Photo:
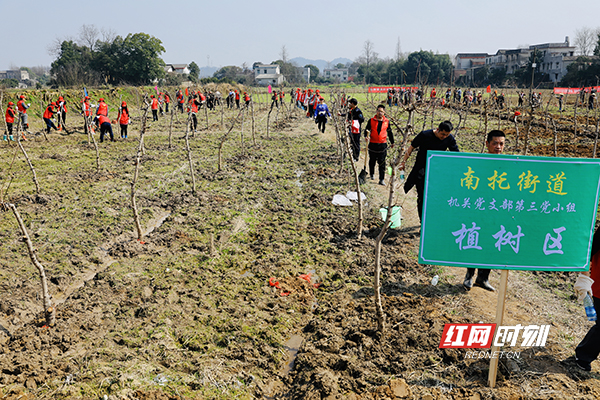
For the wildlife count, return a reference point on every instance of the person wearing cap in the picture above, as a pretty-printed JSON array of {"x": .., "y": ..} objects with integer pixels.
[
  {"x": 194, "y": 106},
  {"x": 62, "y": 113},
  {"x": 22, "y": 109},
  {"x": 105, "y": 126},
  {"x": 10, "y": 119},
  {"x": 355, "y": 119},
  {"x": 321, "y": 114},
  {"x": 123, "y": 119},
  {"x": 154, "y": 107},
  {"x": 102, "y": 108},
  {"x": 167, "y": 101},
  {"x": 48, "y": 114},
  {"x": 86, "y": 110},
  {"x": 180, "y": 100},
  {"x": 379, "y": 131}
]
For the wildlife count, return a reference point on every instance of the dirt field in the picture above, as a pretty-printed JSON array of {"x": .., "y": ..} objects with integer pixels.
[{"x": 189, "y": 312}]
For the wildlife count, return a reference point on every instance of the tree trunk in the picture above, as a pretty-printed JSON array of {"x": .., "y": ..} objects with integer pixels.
[{"x": 49, "y": 311}]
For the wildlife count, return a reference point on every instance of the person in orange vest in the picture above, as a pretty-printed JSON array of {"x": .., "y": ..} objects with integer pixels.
[
  {"x": 123, "y": 119},
  {"x": 274, "y": 99},
  {"x": 281, "y": 96},
  {"x": 237, "y": 98},
  {"x": 246, "y": 99},
  {"x": 86, "y": 110},
  {"x": 167, "y": 101},
  {"x": 160, "y": 103},
  {"x": 102, "y": 108},
  {"x": 103, "y": 123},
  {"x": 10, "y": 120},
  {"x": 48, "y": 114},
  {"x": 433, "y": 94},
  {"x": 22, "y": 109},
  {"x": 180, "y": 100},
  {"x": 193, "y": 110},
  {"x": 154, "y": 107},
  {"x": 62, "y": 113},
  {"x": 380, "y": 132}
]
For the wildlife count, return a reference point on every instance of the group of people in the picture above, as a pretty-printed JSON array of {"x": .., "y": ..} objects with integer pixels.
[{"x": 20, "y": 114}]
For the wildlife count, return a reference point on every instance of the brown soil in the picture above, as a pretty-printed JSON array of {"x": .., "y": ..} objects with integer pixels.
[{"x": 188, "y": 312}]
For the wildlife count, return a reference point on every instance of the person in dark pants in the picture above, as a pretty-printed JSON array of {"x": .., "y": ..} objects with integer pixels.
[
  {"x": 379, "y": 130},
  {"x": 154, "y": 107},
  {"x": 355, "y": 119},
  {"x": 588, "y": 282},
  {"x": 105, "y": 127},
  {"x": 432, "y": 139},
  {"x": 495, "y": 145},
  {"x": 123, "y": 119},
  {"x": 321, "y": 114},
  {"x": 48, "y": 114}
]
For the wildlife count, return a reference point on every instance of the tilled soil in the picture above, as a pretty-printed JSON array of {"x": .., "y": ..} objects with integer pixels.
[{"x": 204, "y": 305}]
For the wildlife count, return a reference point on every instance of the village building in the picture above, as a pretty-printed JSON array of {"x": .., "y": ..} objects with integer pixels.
[
  {"x": 177, "y": 68},
  {"x": 268, "y": 74},
  {"x": 337, "y": 74},
  {"x": 555, "y": 58}
]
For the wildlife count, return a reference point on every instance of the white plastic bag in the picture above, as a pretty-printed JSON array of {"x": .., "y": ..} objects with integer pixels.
[{"x": 341, "y": 200}]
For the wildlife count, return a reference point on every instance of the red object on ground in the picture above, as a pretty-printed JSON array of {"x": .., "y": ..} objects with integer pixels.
[
  {"x": 273, "y": 282},
  {"x": 285, "y": 293},
  {"x": 517, "y": 113},
  {"x": 306, "y": 277}
]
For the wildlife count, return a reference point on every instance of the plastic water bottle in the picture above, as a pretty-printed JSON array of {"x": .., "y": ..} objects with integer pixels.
[
  {"x": 435, "y": 280},
  {"x": 401, "y": 175},
  {"x": 590, "y": 311}
]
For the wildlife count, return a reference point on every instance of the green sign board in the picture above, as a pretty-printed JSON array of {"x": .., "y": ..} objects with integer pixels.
[{"x": 509, "y": 212}]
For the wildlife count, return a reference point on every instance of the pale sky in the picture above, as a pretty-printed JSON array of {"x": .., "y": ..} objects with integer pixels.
[{"x": 237, "y": 31}]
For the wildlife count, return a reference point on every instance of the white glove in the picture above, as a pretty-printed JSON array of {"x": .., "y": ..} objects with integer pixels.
[{"x": 583, "y": 286}]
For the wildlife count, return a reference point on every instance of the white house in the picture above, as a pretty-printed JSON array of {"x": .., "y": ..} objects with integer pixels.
[
  {"x": 268, "y": 74},
  {"x": 337, "y": 74},
  {"x": 177, "y": 68},
  {"x": 556, "y": 57}
]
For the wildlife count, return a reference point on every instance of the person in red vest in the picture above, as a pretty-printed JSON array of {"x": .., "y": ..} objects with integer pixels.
[
  {"x": 10, "y": 120},
  {"x": 246, "y": 99},
  {"x": 123, "y": 119},
  {"x": 22, "y": 109},
  {"x": 379, "y": 131},
  {"x": 433, "y": 94},
  {"x": 102, "y": 108},
  {"x": 167, "y": 101},
  {"x": 193, "y": 109},
  {"x": 180, "y": 100},
  {"x": 103, "y": 123},
  {"x": 86, "y": 110},
  {"x": 48, "y": 114},
  {"x": 62, "y": 113},
  {"x": 237, "y": 98},
  {"x": 154, "y": 107}
]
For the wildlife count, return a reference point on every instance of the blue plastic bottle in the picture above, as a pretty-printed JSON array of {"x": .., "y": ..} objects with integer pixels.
[{"x": 590, "y": 311}]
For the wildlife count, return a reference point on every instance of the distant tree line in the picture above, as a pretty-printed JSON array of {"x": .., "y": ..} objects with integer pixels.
[{"x": 134, "y": 59}]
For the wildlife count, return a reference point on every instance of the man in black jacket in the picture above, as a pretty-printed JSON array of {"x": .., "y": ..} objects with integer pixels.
[
  {"x": 432, "y": 139},
  {"x": 355, "y": 119}
]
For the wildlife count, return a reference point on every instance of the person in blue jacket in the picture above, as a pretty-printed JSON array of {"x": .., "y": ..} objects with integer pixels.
[{"x": 321, "y": 114}]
